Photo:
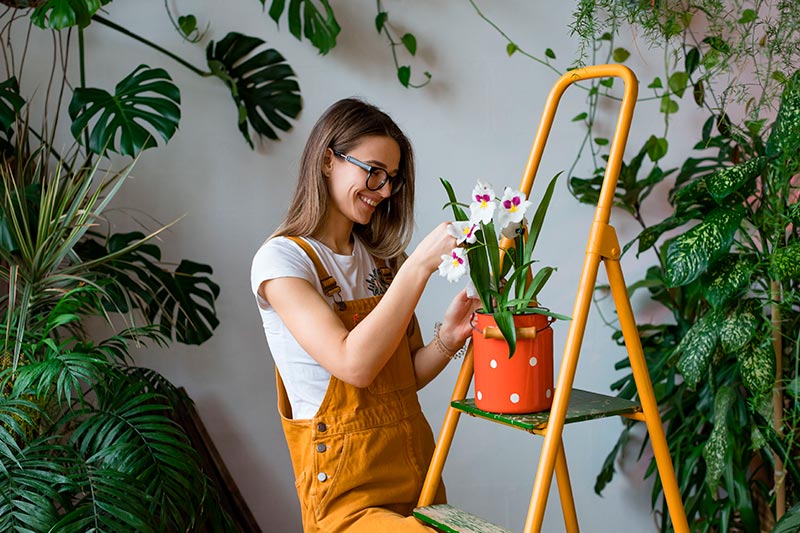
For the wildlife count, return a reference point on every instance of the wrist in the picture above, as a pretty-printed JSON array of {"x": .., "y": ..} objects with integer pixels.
[{"x": 452, "y": 349}]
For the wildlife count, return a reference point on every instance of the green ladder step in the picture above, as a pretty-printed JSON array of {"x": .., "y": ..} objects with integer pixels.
[
  {"x": 453, "y": 520},
  {"x": 583, "y": 405}
]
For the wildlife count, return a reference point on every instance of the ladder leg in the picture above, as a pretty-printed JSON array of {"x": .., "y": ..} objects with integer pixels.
[
  {"x": 565, "y": 491},
  {"x": 434, "y": 475},
  {"x": 647, "y": 397}
]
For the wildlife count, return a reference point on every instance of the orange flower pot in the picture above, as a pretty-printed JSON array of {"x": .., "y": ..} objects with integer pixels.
[{"x": 522, "y": 383}]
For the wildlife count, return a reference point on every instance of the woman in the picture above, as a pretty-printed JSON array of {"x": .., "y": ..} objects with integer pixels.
[{"x": 337, "y": 301}]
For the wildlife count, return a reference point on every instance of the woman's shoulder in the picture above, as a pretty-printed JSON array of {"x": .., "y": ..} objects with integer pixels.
[{"x": 280, "y": 257}]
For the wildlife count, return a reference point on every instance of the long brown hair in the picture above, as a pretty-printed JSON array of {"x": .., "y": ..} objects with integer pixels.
[{"x": 341, "y": 128}]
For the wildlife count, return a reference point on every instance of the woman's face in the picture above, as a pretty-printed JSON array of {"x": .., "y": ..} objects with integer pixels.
[{"x": 349, "y": 195}]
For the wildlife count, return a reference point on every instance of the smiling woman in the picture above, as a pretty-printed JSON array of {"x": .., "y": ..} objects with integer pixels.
[{"x": 347, "y": 386}]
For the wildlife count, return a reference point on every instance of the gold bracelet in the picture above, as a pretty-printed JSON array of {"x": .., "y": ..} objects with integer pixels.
[{"x": 443, "y": 348}]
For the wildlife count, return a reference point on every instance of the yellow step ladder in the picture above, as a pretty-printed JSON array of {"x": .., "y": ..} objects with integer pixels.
[{"x": 569, "y": 405}]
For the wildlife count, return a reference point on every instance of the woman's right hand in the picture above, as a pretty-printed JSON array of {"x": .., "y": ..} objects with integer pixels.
[{"x": 428, "y": 253}]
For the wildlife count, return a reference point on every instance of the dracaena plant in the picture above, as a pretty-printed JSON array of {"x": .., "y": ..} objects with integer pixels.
[{"x": 496, "y": 250}]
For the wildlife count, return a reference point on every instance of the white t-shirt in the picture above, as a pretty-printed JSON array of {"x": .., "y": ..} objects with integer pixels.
[{"x": 357, "y": 275}]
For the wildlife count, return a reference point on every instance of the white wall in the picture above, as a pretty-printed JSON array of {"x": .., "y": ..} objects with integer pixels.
[{"x": 475, "y": 120}]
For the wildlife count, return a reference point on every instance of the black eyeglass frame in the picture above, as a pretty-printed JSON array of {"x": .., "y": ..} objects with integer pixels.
[{"x": 396, "y": 181}]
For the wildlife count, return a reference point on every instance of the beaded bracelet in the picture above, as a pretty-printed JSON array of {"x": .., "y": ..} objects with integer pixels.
[{"x": 442, "y": 347}]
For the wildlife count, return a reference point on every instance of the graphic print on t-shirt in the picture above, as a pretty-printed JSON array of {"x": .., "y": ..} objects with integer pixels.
[{"x": 376, "y": 284}]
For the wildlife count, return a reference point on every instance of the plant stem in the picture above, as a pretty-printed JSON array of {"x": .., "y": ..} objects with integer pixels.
[
  {"x": 777, "y": 397},
  {"x": 151, "y": 44}
]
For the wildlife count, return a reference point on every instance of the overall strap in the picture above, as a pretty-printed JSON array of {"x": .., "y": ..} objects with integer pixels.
[{"x": 329, "y": 285}]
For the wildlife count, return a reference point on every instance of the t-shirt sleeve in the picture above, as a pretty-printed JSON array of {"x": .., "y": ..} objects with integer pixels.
[{"x": 280, "y": 258}]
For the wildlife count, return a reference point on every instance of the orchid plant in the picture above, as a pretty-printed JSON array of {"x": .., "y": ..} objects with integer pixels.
[{"x": 500, "y": 270}]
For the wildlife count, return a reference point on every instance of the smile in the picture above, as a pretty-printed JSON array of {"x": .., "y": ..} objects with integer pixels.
[{"x": 371, "y": 203}]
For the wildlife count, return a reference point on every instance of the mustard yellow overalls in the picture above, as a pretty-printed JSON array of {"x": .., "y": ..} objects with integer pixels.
[{"x": 360, "y": 462}]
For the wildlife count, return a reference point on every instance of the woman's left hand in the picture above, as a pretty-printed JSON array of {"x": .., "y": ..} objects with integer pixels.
[{"x": 456, "y": 327}]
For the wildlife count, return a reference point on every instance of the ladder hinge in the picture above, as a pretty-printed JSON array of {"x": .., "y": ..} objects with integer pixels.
[{"x": 603, "y": 241}]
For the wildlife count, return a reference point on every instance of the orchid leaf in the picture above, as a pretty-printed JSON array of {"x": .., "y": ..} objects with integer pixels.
[
  {"x": 262, "y": 84},
  {"x": 538, "y": 218},
  {"x": 505, "y": 322},
  {"x": 145, "y": 95},
  {"x": 458, "y": 213}
]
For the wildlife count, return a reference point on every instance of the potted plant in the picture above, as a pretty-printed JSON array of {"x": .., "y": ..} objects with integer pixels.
[{"x": 512, "y": 338}]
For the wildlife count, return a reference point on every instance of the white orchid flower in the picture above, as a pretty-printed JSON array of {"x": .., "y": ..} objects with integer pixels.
[
  {"x": 454, "y": 266},
  {"x": 483, "y": 205},
  {"x": 511, "y": 230},
  {"x": 463, "y": 232},
  {"x": 512, "y": 207}
]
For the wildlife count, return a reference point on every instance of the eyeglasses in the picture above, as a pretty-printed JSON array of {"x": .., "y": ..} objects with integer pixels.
[{"x": 377, "y": 177}]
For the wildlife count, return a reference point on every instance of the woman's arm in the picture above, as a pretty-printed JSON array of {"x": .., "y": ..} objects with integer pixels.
[
  {"x": 356, "y": 357},
  {"x": 429, "y": 360}
]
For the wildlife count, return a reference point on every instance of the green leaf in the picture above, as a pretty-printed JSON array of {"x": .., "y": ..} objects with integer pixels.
[
  {"x": 607, "y": 82},
  {"x": 699, "y": 93},
  {"x": 146, "y": 95},
  {"x": 580, "y": 116},
  {"x": 785, "y": 262},
  {"x": 729, "y": 180},
  {"x": 790, "y": 522},
  {"x": 187, "y": 24},
  {"x": 505, "y": 322},
  {"x": 692, "y": 61},
  {"x": 716, "y": 451},
  {"x": 729, "y": 278},
  {"x": 655, "y": 84},
  {"x": 60, "y": 14},
  {"x": 739, "y": 327},
  {"x": 410, "y": 42},
  {"x": 656, "y": 147},
  {"x": 263, "y": 86},
  {"x": 678, "y": 82},
  {"x": 690, "y": 254},
  {"x": 305, "y": 19},
  {"x": 620, "y": 55},
  {"x": 785, "y": 135},
  {"x": 549, "y": 53},
  {"x": 697, "y": 346},
  {"x": 748, "y": 15},
  {"x": 668, "y": 105},
  {"x": 757, "y": 366},
  {"x": 511, "y": 48},
  {"x": 380, "y": 20},
  {"x": 601, "y": 141},
  {"x": 404, "y": 75},
  {"x": 10, "y": 103}
]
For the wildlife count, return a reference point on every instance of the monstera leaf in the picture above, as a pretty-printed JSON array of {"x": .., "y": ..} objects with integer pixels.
[
  {"x": 320, "y": 30},
  {"x": 145, "y": 95},
  {"x": 261, "y": 82},
  {"x": 181, "y": 302},
  {"x": 60, "y": 14},
  {"x": 10, "y": 103}
]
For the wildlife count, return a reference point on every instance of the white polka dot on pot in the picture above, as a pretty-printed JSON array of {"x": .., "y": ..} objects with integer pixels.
[
  {"x": 548, "y": 393},
  {"x": 532, "y": 361},
  {"x": 479, "y": 395},
  {"x": 493, "y": 363},
  {"x": 514, "y": 398}
]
